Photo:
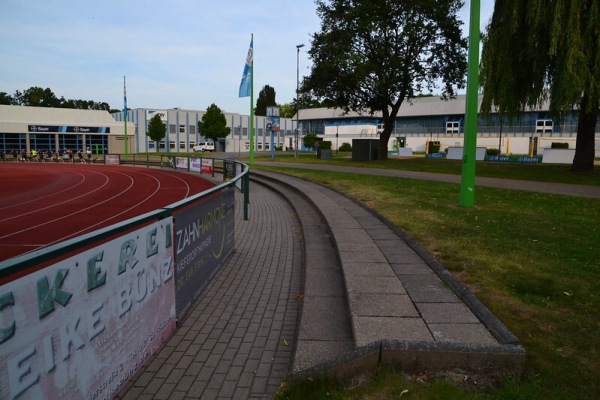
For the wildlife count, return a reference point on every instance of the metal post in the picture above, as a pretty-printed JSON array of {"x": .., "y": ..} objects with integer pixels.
[
  {"x": 467, "y": 188},
  {"x": 297, "y": 132}
]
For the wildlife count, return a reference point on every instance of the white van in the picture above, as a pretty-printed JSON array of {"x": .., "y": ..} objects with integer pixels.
[{"x": 204, "y": 146}]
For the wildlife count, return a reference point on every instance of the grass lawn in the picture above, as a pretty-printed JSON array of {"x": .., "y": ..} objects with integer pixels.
[{"x": 533, "y": 259}]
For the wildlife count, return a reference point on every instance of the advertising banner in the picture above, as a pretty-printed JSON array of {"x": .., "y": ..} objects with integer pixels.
[
  {"x": 182, "y": 163},
  {"x": 204, "y": 239},
  {"x": 111, "y": 159},
  {"x": 80, "y": 328},
  {"x": 195, "y": 164},
  {"x": 207, "y": 165}
]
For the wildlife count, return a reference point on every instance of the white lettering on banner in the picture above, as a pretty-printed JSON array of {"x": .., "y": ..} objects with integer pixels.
[
  {"x": 91, "y": 312},
  {"x": 192, "y": 232}
]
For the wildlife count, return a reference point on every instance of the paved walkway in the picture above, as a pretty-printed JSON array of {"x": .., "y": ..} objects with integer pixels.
[
  {"x": 238, "y": 341},
  {"x": 361, "y": 287},
  {"x": 531, "y": 186}
]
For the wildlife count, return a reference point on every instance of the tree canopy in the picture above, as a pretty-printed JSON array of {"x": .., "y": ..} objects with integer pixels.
[
  {"x": 266, "y": 98},
  {"x": 287, "y": 110},
  {"x": 38, "y": 97},
  {"x": 371, "y": 56},
  {"x": 213, "y": 124},
  {"x": 535, "y": 51},
  {"x": 156, "y": 129}
]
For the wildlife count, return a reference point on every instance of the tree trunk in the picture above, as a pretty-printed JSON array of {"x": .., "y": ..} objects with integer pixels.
[
  {"x": 384, "y": 138},
  {"x": 586, "y": 134}
]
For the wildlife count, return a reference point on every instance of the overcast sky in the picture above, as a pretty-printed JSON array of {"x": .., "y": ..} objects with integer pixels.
[{"x": 175, "y": 53}]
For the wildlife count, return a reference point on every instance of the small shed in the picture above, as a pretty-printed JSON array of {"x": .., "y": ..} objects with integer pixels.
[{"x": 365, "y": 149}]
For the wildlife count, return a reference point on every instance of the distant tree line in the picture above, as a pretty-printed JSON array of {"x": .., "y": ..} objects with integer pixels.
[{"x": 37, "y": 97}]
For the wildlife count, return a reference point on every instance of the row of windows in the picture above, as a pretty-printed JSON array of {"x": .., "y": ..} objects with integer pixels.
[
  {"x": 48, "y": 142},
  {"x": 528, "y": 123}
]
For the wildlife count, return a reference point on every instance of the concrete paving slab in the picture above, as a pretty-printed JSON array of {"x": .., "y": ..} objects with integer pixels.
[
  {"x": 427, "y": 288},
  {"x": 368, "y": 330},
  {"x": 381, "y": 305},
  {"x": 439, "y": 313},
  {"x": 374, "y": 256},
  {"x": 369, "y": 269},
  {"x": 323, "y": 319},
  {"x": 373, "y": 284},
  {"x": 462, "y": 333},
  {"x": 396, "y": 247},
  {"x": 324, "y": 282},
  {"x": 416, "y": 268}
]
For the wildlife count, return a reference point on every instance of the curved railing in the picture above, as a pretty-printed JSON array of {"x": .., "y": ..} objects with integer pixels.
[{"x": 220, "y": 166}]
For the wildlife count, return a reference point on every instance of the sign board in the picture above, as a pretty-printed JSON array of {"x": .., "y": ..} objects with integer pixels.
[
  {"x": 273, "y": 118},
  {"x": 195, "y": 164},
  {"x": 207, "y": 165},
  {"x": 204, "y": 239},
  {"x": 111, "y": 159},
  {"x": 67, "y": 129},
  {"x": 80, "y": 328},
  {"x": 182, "y": 163}
]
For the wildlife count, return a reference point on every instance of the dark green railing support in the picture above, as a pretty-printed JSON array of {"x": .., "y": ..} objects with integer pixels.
[{"x": 246, "y": 191}]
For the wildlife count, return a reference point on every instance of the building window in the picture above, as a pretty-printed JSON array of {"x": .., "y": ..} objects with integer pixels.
[
  {"x": 453, "y": 127},
  {"x": 544, "y": 126}
]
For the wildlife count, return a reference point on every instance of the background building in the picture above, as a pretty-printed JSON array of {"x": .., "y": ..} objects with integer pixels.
[
  {"x": 45, "y": 129},
  {"x": 433, "y": 119},
  {"x": 182, "y": 128}
]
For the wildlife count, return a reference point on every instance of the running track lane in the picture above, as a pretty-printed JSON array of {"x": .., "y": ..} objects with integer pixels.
[{"x": 45, "y": 203}]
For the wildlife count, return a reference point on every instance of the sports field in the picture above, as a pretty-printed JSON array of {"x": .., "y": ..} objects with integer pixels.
[{"x": 46, "y": 203}]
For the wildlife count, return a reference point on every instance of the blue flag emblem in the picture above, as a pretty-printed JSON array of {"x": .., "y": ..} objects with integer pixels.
[{"x": 246, "y": 83}]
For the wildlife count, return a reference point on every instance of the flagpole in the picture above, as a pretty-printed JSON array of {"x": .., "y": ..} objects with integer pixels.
[
  {"x": 125, "y": 114},
  {"x": 251, "y": 105}
]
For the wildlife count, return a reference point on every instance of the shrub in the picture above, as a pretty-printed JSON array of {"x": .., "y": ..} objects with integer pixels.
[
  {"x": 325, "y": 145},
  {"x": 492, "y": 152},
  {"x": 559, "y": 145},
  {"x": 346, "y": 147}
]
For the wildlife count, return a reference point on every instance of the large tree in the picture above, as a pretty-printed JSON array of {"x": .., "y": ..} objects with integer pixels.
[
  {"x": 539, "y": 50},
  {"x": 213, "y": 124},
  {"x": 156, "y": 129},
  {"x": 266, "y": 98},
  {"x": 371, "y": 56},
  {"x": 36, "y": 97}
]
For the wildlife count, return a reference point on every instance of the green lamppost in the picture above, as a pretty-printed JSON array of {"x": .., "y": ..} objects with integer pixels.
[{"x": 467, "y": 185}]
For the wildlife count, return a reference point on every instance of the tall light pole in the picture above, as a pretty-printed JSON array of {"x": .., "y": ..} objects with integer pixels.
[
  {"x": 467, "y": 183},
  {"x": 298, "y": 47}
]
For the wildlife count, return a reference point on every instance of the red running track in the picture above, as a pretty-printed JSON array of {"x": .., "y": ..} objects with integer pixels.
[{"x": 44, "y": 203}]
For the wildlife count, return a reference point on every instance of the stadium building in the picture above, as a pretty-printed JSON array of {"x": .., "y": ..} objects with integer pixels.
[
  {"x": 427, "y": 119},
  {"x": 45, "y": 129}
]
